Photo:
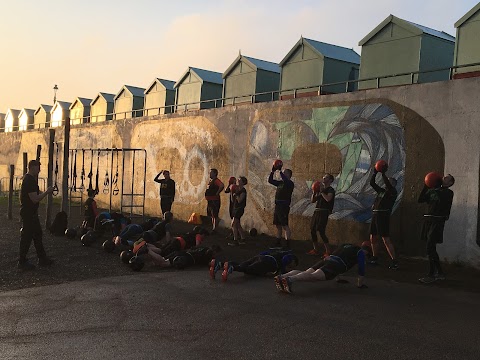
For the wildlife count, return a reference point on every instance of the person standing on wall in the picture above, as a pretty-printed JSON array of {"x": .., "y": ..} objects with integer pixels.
[
  {"x": 167, "y": 190},
  {"x": 324, "y": 199},
  {"x": 30, "y": 197},
  {"x": 283, "y": 198},
  {"x": 212, "y": 195},
  {"x": 382, "y": 209},
  {"x": 439, "y": 200}
]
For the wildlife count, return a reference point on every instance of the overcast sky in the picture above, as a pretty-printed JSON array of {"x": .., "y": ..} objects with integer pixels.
[{"x": 90, "y": 46}]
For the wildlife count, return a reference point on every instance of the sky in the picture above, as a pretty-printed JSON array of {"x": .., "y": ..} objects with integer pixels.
[{"x": 92, "y": 46}]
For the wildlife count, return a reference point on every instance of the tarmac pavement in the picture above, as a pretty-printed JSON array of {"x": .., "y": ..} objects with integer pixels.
[{"x": 185, "y": 315}]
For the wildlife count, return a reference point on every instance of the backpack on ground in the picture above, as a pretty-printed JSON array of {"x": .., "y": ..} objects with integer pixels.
[{"x": 59, "y": 224}]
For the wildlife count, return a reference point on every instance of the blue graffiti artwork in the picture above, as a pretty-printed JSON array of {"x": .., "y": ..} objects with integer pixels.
[{"x": 362, "y": 133}]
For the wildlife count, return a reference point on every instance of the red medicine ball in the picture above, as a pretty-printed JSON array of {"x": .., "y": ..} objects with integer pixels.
[
  {"x": 232, "y": 180},
  {"x": 233, "y": 188},
  {"x": 316, "y": 186},
  {"x": 433, "y": 179},
  {"x": 381, "y": 165},
  {"x": 277, "y": 164}
]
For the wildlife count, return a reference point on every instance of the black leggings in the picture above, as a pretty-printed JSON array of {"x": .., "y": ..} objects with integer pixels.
[
  {"x": 319, "y": 223},
  {"x": 257, "y": 265},
  {"x": 32, "y": 230}
]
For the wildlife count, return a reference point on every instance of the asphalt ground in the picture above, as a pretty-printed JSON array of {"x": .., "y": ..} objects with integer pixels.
[{"x": 186, "y": 315}]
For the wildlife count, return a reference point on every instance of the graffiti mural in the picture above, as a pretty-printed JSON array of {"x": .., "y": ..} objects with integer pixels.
[
  {"x": 345, "y": 141},
  {"x": 188, "y": 147}
]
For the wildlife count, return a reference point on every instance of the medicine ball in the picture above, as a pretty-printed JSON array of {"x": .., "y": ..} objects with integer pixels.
[
  {"x": 180, "y": 262},
  {"x": 316, "y": 186},
  {"x": 381, "y": 166},
  {"x": 433, "y": 180},
  {"x": 277, "y": 164},
  {"x": 89, "y": 238},
  {"x": 126, "y": 255},
  {"x": 232, "y": 180},
  {"x": 108, "y": 246},
  {"x": 71, "y": 233},
  {"x": 137, "y": 263}
]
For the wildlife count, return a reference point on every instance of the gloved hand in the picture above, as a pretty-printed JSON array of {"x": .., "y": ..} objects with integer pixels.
[
  {"x": 274, "y": 169},
  {"x": 385, "y": 168}
]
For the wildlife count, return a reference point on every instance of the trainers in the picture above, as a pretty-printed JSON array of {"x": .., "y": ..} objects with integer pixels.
[
  {"x": 227, "y": 269},
  {"x": 242, "y": 242},
  {"x": 26, "y": 265},
  {"x": 440, "y": 277},
  {"x": 287, "y": 285},
  {"x": 393, "y": 265},
  {"x": 313, "y": 252},
  {"x": 233, "y": 243},
  {"x": 215, "y": 265},
  {"x": 427, "y": 279},
  {"x": 278, "y": 282},
  {"x": 373, "y": 260},
  {"x": 46, "y": 261}
]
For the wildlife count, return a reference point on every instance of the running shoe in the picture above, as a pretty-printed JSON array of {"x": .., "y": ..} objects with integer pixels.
[
  {"x": 427, "y": 279},
  {"x": 227, "y": 269},
  {"x": 215, "y": 265},
  {"x": 313, "y": 252},
  {"x": 373, "y": 261},
  {"x": 278, "y": 282},
  {"x": 287, "y": 285},
  {"x": 440, "y": 277},
  {"x": 242, "y": 242},
  {"x": 233, "y": 243}
]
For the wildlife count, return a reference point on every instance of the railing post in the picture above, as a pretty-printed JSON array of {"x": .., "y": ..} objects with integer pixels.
[
  {"x": 346, "y": 86},
  {"x": 450, "y": 73},
  {"x": 378, "y": 83},
  {"x": 10, "y": 193},
  {"x": 412, "y": 78}
]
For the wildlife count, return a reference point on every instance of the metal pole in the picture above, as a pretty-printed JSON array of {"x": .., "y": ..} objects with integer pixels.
[
  {"x": 144, "y": 183},
  {"x": 123, "y": 175},
  {"x": 133, "y": 183},
  {"x": 111, "y": 186},
  {"x": 10, "y": 193},
  {"x": 25, "y": 163},
  {"x": 66, "y": 149},
  {"x": 39, "y": 151},
  {"x": 51, "y": 145}
]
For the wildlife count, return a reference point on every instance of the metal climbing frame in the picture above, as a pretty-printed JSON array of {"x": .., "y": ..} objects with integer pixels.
[{"x": 132, "y": 201}]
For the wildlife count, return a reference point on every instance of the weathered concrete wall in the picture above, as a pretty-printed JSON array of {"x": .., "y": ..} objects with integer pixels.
[{"x": 416, "y": 128}]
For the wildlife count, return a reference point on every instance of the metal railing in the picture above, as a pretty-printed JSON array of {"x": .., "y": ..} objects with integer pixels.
[{"x": 268, "y": 96}]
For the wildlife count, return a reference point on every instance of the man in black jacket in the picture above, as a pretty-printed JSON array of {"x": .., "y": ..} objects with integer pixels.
[
  {"x": 167, "y": 190},
  {"x": 30, "y": 197},
  {"x": 439, "y": 200}
]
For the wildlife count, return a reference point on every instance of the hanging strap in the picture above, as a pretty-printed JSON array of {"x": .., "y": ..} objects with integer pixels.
[
  {"x": 97, "y": 175},
  {"x": 90, "y": 174},
  {"x": 115, "y": 189},
  {"x": 55, "y": 185},
  {"x": 106, "y": 182},
  {"x": 82, "y": 173}
]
